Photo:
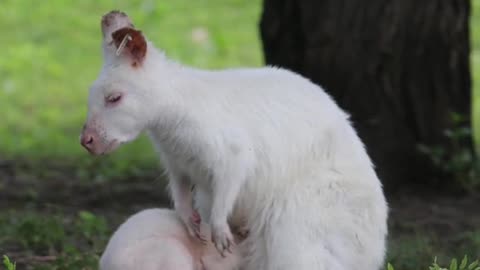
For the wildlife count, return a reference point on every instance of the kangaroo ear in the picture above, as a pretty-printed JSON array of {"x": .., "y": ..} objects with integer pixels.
[
  {"x": 120, "y": 38},
  {"x": 113, "y": 21},
  {"x": 130, "y": 43}
]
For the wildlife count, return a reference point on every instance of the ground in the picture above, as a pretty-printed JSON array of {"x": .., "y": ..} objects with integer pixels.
[
  {"x": 58, "y": 205},
  {"x": 56, "y": 221}
]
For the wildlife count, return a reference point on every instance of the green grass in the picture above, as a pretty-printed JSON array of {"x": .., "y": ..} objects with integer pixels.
[
  {"x": 60, "y": 239},
  {"x": 409, "y": 251},
  {"x": 51, "y": 54},
  {"x": 463, "y": 264},
  {"x": 8, "y": 264},
  {"x": 475, "y": 68},
  {"x": 54, "y": 241}
]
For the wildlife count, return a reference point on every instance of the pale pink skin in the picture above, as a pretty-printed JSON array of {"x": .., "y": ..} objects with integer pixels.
[{"x": 156, "y": 239}]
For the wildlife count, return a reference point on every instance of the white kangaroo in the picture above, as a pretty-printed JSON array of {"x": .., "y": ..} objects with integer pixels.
[{"x": 265, "y": 144}]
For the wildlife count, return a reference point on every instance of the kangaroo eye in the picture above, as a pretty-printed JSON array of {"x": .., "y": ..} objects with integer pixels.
[{"x": 113, "y": 98}]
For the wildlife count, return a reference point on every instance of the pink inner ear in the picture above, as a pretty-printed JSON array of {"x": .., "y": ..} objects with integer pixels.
[{"x": 136, "y": 48}]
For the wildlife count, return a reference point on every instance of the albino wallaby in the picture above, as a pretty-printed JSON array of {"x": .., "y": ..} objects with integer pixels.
[{"x": 263, "y": 143}]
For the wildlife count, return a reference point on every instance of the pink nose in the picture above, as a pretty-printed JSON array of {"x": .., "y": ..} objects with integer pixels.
[{"x": 88, "y": 140}]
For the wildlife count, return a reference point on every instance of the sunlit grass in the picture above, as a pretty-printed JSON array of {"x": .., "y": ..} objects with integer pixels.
[
  {"x": 475, "y": 67},
  {"x": 51, "y": 54}
]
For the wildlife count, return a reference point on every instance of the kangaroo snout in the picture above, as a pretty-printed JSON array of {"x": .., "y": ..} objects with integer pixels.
[
  {"x": 89, "y": 139},
  {"x": 96, "y": 142}
]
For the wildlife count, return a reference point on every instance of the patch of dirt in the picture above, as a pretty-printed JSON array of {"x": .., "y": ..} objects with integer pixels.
[
  {"x": 442, "y": 213},
  {"x": 22, "y": 187},
  {"x": 444, "y": 216}
]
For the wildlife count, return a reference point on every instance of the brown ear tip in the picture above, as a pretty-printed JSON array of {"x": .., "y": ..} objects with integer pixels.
[
  {"x": 115, "y": 12},
  {"x": 108, "y": 17}
]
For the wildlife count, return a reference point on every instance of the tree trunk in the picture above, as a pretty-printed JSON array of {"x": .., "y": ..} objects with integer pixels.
[{"x": 399, "y": 67}]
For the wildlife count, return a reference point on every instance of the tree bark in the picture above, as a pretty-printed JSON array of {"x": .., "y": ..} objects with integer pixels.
[{"x": 399, "y": 67}]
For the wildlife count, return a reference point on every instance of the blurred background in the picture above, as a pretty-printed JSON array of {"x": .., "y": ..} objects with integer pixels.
[{"x": 407, "y": 71}]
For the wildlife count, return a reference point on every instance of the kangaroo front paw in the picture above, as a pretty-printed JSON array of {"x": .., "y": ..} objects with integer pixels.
[{"x": 222, "y": 238}]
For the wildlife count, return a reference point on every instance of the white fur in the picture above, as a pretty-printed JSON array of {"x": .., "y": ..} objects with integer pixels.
[
  {"x": 155, "y": 239},
  {"x": 262, "y": 143}
]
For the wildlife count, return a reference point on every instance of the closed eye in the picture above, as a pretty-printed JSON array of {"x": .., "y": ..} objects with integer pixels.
[{"x": 113, "y": 98}]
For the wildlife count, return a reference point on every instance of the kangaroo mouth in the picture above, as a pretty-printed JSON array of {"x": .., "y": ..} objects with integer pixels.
[{"x": 112, "y": 146}]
